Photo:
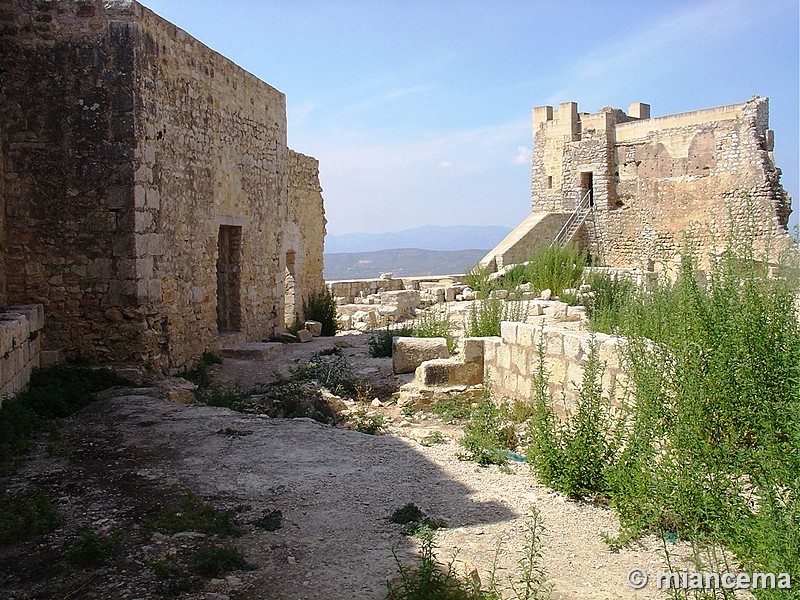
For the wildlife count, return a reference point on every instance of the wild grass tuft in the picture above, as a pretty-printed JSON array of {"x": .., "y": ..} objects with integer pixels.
[
  {"x": 26, "y": 515},
  {"x": 435, "y": 322},
  {"x": 575, "y": 454},
  {"x": 192, "y": 513},
  {"x": 380, "y": 342},
  {"x": 489, "y": 433}
]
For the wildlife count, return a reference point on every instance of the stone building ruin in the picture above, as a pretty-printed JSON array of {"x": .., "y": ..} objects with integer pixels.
[
  {"x": 149, "y": 200},
  {"x": 628, "y": 187}
]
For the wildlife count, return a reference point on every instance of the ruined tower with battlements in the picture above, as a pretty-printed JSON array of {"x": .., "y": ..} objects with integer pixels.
[{"x": 629, "y": 186}]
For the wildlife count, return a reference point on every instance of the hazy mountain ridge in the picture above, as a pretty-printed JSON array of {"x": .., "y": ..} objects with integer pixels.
[
  {"x": 428, "y": 237},
  {"x": 401, "y": 262}
]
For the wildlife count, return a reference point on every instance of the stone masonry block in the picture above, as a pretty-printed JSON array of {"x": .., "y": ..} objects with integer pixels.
[
  {"x": 440, "y": 371},
  {"x": 475, "y": 349},
  {"x": 408, "y": 353},
  {"x": 573, "y": 348},
  {"x": 315, "y": 327},
  {"x": 525, "y": 335},
  {"x": 554, "y": 341},
  {"x": 33, "y": 312},
  {"x": 508, "y": 331}
]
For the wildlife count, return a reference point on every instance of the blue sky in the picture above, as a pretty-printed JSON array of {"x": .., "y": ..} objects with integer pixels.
[{"x": 420, "y": 111}]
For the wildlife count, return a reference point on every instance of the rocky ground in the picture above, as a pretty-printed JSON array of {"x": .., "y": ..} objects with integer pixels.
[{"x": 122, "y": 459}]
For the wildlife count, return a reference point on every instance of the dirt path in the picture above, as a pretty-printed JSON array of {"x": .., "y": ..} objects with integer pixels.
[{"x": 131, "y": 453}]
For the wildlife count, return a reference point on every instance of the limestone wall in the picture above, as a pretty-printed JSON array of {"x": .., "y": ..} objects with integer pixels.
[
  {"x": 66, "y": 131},
  {"x": 349, "y": 290},
  {"x": 511, "y": 360},
  {"x": 304, "y": 234},
  {"x": 212, "y": 162},
  {"x": 148, "y": 186},
  {"x": 693, "y": 173},
  {"x": 20, "y": 347}
]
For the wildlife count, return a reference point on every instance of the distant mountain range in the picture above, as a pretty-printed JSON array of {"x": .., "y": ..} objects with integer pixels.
[
  {"x": 429, "y": 237},
  {"x": 402, "y": 262}
]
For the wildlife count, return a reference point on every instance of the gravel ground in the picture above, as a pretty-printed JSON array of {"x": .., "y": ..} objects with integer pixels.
[{"x": 131, "y": 452}]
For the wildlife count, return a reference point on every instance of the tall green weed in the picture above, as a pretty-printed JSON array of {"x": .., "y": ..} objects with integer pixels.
[
  {"x": 554, "y": 267},
  {"x": 486, "y": 315},
  {"x": 713, "y": 439},
  {"x": 575, "y": 454}
]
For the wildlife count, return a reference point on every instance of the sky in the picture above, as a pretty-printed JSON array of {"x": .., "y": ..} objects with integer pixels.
[{"x": 419, "y": 111}]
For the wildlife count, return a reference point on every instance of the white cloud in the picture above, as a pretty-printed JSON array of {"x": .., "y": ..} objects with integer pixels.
[
  {"x": 384, "y": 98},
  {"x": 630, "y": 58},
  {"x": 373, "y": 182},
  {"x": 524, "y": 155}
]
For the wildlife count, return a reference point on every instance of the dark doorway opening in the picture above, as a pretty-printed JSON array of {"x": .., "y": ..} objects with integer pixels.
[
  {"x": 229, "y": 278},
  {"x": 587, "y": 185}
]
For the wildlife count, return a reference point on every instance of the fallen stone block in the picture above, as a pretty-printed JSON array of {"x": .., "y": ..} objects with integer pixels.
[
  {"x": 408, "y": 352},
  {"x": 315, "y": 327},
  {"x": 177, "y": 390},
  {"x": 304, "y": 335}
]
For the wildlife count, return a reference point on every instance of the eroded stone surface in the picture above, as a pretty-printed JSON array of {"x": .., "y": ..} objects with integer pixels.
[{"x": 153, "y": 202}]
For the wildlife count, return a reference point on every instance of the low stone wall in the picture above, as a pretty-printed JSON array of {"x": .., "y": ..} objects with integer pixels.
[
  {"x": 511, "y": 360},
  {"x": 350, "y": 289},
  {"x": 357, "y": 288},
  {"x": 20, "y": 347}
]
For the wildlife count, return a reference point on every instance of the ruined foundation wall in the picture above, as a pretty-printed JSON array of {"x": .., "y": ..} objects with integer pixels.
[
  {"x": 66, "y": 130},
  {"x": 210, "y": 183},
  {"x": 20, "y": 347},
  {"x": 304, "y": 234},
  {"x": 511, "y": 361}
]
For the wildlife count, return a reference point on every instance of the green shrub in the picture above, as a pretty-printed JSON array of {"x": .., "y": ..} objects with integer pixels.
[
  {"x": 606, "y": 306},
  {"x": 26, "y": 515},
  {"x": 321, "y": 306},
  {"x": 486, "y": 315},
  {"x": 270, "y": 520},
  {"x": 331, "y": 370},
  {"x": 433, "y": 439},
  {"x": 90, "y": 549},
  {"x": 554, "y": 268},
  {"x": 453, "y": 407},
  {"x": 435, "y": 322},
  {"x": 489, "y": 435},
  {"x": 192, "y": 513},
  {"x": 573, "y": 455},
  {"x": 226, "y": 398},
  {"x": 199, "y": 374},
  {"x": 711, "y": 437},
  {"x": 363, "y": 422},
  {"x": 430, "y": 580},
  {"x": 380, "y": 342},
  {"x": 53, "y": 393},
  {"x": 413, "y": 517},
  {"x": 477, "y": 279},
  {"x": 215, "y": 561}
]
